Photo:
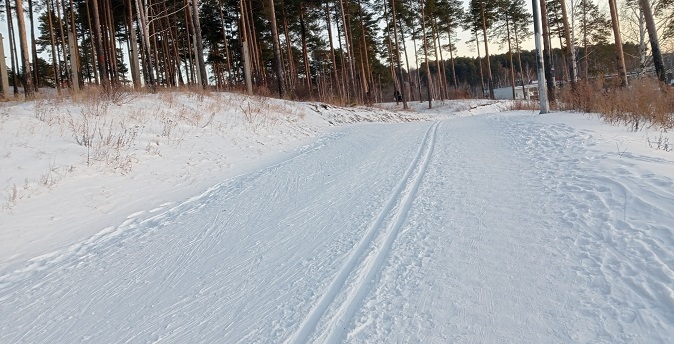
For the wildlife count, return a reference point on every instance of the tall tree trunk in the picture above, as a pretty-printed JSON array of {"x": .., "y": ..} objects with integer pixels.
[
  {"x": 425, "y": 41},
  {"x": 35, "y": 75},
  {"x": 348, "y": 91},
  {"x": 416, "y": 62},
  {"x": 200, "y": 43},
  {"x": 175, "y": 37},
  {"x": 4, "y": 79},
  {"x": 225, "y": 43},
  {"x": 135, "y": 65},
  {"x": 25, "y": 57},
  {"x": 256, "y": 56},
  {"x": 12, "y": 49},
  {"x": 564, "y": 73},
  {"x": 479, "y": 62},
  {"x": 102, "y": 65},
  {"x": 620, "y": 57},
  {"x": 396, "y": 83},
  {"x": 87, "y": 65},
  {"x": 570, "y": 49},
  {"x": 642, "y": 42},
  {"x": 173, "y": 55},
  {"x": 490, "y": 80},
  {"x": 305, "y": 51},
  {"x": 655, "y": 43},
  {"x": 365, "y": 59},
  {"x": 141, "y": 13},
  {"x": 451, "y": 58},
  {"x": 292, "y": 73},
  {"x": 277, "y": 51},
  {"x": 519, "y": 60},
  {"x": 54, "y": 59},
  {"x": 190, "y": 61},
  {"x": 397, "y": 53},
  {"x": 108, "y": 39},
  {"x": 358, "y": 91},
  {"x": 160, "y": 67},
  {"x": 166, "y": 48},
  {"x": 64, "y": 50},
  {"x": 349, "y": 47},
  {"x": 441, "y": 63},
  {"x": 111, "y": 46},
  {"x": 94, "y": 58},
  {"x": 407, "y": 62},
  {"x": 245, "y": 49},
  {"x": 510, "y": 57},
  {"x": 586, "y": 60},
  {"x": 332, "y": 50},
  {"x": 547, "y": 53},
  {"x": 76, "y": 67}
]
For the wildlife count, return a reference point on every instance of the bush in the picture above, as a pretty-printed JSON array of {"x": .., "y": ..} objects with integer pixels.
[{"x": 644, "y": 102}]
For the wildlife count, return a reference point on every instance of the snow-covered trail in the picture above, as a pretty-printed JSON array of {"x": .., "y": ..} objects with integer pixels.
[{"x": 498, "y": 228}]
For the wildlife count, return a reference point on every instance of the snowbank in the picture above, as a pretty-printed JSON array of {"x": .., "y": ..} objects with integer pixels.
[{"x": 71, "y": 167}]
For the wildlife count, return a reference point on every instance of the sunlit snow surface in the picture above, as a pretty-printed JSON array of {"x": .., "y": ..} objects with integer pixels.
[{"x": 467, "y": 225}]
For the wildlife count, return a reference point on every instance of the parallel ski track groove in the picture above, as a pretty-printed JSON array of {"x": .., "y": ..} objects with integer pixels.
[{"x": 403, "y": 194}]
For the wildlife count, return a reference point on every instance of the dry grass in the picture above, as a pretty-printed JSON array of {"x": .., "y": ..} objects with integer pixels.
[
  {"x": 524, "y": 105},
  {"x": 112, "y": 132},
  {"x": 107, "y": 139},
  {"x": 645, "y": 102},
  {"x": 117, "y": 95}
]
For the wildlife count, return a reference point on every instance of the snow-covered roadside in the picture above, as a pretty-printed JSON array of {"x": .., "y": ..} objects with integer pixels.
[{"x": 145, "y": 154}]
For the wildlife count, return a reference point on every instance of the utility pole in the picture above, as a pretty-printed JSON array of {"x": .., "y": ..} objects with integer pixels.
[{"x": 542, "y": 89}]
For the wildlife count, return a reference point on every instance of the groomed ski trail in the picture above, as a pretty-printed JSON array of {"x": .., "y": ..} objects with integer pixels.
[
  {"x": 241, "y": 263},
  {"x": 365, "y": 261},
  {"x": 508, "y": 227}
]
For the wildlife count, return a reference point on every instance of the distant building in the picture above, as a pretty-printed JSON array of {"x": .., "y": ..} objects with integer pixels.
[{"x": 531, "y": 91}]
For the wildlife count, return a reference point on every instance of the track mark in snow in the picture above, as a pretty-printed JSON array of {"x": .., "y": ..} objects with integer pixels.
[
  {"x": 364, "y": 261},
  {"x": 615, "y": 223}
]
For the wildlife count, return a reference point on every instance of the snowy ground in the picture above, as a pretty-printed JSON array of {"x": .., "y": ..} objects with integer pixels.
[{"x": 460, "y": 224}]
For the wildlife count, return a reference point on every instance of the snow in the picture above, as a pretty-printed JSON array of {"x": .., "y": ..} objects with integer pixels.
[
  {"x": 56, "y": 192},
  {"x": 236, "y": 219}
]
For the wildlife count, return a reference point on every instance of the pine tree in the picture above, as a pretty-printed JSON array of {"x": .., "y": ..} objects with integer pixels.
[
  {"x": 620, "y": 57},
  {"x": 594, "y": 29},
  {"x": 481, "y": 17},
  {"x": 653, "y": 37},
  {"x": 450, "y": 14},
  {"x": 25, "y": 58},
  {"x": 277, "y": 51}
]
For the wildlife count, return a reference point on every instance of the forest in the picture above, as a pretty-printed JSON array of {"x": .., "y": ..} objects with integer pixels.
[{"x": 340, "y": 51}]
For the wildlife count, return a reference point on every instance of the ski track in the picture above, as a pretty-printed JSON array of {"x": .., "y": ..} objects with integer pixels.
[
  {"x": 507, "y": 228},
  {"x": 394, "y": 213},
  {"x": 240, "y": 263},
  {"x": 460, "y": 271}
]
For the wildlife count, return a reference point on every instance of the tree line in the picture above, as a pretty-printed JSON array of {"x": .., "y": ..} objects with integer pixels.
[{"x": 349, "y": 51}]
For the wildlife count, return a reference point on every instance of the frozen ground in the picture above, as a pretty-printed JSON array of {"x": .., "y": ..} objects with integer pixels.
[{"x": 466, "y": 226}]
